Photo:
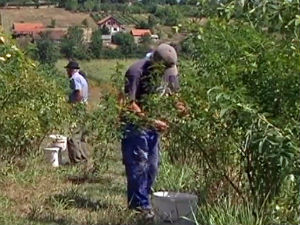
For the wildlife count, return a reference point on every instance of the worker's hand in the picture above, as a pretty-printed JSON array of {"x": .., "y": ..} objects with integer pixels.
[
  {"x": 134, "y": 107},
  {"x": 160, "y": 125},
  {"x": 182, "y": 109}
]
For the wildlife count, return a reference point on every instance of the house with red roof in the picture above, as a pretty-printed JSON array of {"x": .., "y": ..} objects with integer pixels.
[
  {"x": 112, "y": 24},
  {"x": 139, "y": 33},
  {"x": 23, "y": 29},
  {"x": 34, "y": 31}
]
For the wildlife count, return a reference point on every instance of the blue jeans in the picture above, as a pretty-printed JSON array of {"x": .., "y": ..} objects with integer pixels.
[{"x": 140, "y": 149}]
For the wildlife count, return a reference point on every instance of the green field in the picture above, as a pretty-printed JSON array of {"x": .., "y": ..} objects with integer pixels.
[{"x": 99, "y": 70}]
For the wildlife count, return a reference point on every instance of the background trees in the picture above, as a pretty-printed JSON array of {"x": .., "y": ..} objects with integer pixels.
[
  {"x": 126, "y": 43},
  {"x": 96, "y": 43},
  {"x": 73, "y": 45},
  {"x": 71, "y": 5},
  {"x": 47, "y": 52}
]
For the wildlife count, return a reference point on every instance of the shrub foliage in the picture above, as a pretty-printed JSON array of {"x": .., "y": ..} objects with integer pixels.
[{"x": 31, "y": 102}]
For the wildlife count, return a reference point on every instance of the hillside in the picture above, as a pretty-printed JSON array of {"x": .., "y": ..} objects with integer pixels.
[{"x": 62, "y": 17}]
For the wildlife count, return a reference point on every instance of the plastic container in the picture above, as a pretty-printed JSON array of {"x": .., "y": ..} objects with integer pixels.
[
  {"x": 52, "y": 155},
  {"x": 172, "y": 206},
  {"x": 59, "y": 141}
]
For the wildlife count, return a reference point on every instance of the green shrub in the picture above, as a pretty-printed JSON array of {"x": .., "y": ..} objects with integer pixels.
[
  {"x": 168, "y": 15},
  {"x": 73, "y": 45},
  {"x": 126, "y": 43},
  {"x": 243, "y": 144},
  {"x": 32, "y": 104},
  {"x": 47, "y": 51},
  {"x": 71, "y": 5},
  {"x": 96, "y": 43},
  {"x": 237, "y": 56}
]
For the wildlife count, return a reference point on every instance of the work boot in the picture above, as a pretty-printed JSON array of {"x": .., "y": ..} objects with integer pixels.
[{"x": 149, "y": 214}]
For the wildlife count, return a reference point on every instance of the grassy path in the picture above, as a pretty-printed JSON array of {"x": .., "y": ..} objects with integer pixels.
[{"x": 34, "y": 193}]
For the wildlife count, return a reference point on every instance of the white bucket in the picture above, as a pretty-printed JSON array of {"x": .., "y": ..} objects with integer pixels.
[
  {"x": 59, "y": 141},
  {"x": 52, "y": 155},
  {"x": 171, "y": 206}
]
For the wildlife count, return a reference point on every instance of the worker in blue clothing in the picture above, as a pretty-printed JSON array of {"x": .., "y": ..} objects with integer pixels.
[{"x": 140, "y": 145}]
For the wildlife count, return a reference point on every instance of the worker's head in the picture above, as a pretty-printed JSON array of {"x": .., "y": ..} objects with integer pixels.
[
  {"x": 72, "y": 67},
  {"x": 166, "y": 55}
]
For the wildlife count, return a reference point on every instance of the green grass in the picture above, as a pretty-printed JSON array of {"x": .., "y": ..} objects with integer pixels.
[{"x": 34, "y": 193}]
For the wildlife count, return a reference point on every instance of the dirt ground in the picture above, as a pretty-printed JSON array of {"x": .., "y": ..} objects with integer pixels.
[{"x": 62, "y": 17}]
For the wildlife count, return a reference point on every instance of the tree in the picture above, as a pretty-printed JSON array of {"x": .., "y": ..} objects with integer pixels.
[
  {"x": 97, "y": 5},
  {"x": 37, "y": 3},
  {"x": 73, "y": 45},
  {"x": 3, "y": 2},
  {"x": 169, "y": 15},
  {"x": 146, "y": 40},
  {"x": 126, "y": 43},
  {"x": 96, "y": 43},
  {"x": 89, "y": 5},
  {"x": 105, "y": 30},
  {"x": 47, "y": 51},
  {"x": 143, "y": 25},
  {"x": 148, "y": 2},
  {"x": 71, "y": 5},
  {"x": 172, "y": 2},
  {"x": 152, "y": 21}
]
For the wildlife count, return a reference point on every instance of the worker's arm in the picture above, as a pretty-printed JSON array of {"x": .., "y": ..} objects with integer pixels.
[
  {"x": 131, "y": 90},
  {"x": 158, "y": 124}
]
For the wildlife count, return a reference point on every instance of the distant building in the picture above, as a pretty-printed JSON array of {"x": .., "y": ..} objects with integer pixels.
[
  {"x": 35, "y": 31},
  {"x": 24, "y": 29},
  {"x": 154, "y": 37},
  {"x": 139, "y": 33},
  {"x": 112, "y": 24}
]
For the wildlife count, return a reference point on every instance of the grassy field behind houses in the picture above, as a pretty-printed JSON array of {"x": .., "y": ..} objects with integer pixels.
[{"x": 62, "y": 17}]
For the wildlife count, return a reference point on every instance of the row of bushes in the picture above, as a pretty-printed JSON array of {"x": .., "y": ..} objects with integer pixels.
[
  {"x": 33, "y": 105},
  {"x": 240, "y": 138},
  {"x": 30, "y": 108}
]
